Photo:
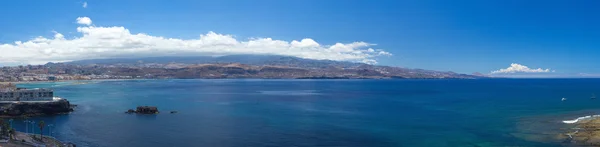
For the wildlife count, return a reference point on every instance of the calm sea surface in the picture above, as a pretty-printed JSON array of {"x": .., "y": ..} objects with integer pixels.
[{"x": 309, "y": 113}]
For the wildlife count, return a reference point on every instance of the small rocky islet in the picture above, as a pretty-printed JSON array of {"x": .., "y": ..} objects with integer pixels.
[{"x": 144, "y": 110}]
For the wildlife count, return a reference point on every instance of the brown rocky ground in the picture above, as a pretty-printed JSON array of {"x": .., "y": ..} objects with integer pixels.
[{"x": 585, "y": 133}]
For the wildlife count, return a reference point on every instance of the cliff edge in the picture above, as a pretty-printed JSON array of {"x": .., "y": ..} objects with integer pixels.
[{"x": 35, "y": 108}]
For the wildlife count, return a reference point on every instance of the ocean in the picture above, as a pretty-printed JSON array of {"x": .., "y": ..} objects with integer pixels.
[{"x": 310, "y": 113}]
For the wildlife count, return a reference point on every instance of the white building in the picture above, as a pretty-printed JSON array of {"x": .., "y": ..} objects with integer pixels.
[{"x": 11, "y": 93}]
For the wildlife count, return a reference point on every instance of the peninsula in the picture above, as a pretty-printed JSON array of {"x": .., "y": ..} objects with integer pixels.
[{"x": 19, "y": 102}]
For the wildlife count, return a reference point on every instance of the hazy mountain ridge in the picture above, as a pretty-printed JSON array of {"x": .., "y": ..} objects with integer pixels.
[
  {"x": 258, "y": 60},
  {"x": 263, "y": 66},
  {"x": 235, "y": 66}
]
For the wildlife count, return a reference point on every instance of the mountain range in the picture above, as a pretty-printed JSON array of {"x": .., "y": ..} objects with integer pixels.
[{"x": 250, "y": 66}]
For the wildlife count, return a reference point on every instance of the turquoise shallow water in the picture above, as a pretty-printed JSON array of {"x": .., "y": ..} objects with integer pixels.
[{"x": 307, "y": 113}]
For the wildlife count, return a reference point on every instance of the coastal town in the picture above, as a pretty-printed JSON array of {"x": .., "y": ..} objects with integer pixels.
[
  {"x": 279, "y": 68},
  {"x": 45, "y": 73}
]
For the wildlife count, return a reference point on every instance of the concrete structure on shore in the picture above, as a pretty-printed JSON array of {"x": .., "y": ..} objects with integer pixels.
[{"x": 10, "y": 92}]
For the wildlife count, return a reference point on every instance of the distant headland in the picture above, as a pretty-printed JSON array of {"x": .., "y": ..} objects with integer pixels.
[{"x": 224, "y": 67}]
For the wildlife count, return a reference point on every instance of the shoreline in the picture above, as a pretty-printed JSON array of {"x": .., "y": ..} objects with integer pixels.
[
  {"x": 31, "y": 82},
  {"x": 325, "y": 79},
  {"x": 582, "y": 131},
  {"x": 17, "y": 110},
  {"x": 562, "y": 128},
  {"x": 29, "y": 139},
  {"x": 33, "y": 115},
  {"x": 301, "y": 78}
]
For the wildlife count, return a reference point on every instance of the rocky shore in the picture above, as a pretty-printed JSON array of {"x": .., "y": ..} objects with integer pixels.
[
  {"x": 23, "y": 109},
  {"x": 21, "y": 139},
  {"x": 586, "y": 132}
]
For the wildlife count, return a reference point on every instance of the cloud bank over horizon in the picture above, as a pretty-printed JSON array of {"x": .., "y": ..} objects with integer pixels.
[
  {"x": 518, "y": 68},
  {"x": 97, "y": 42}
]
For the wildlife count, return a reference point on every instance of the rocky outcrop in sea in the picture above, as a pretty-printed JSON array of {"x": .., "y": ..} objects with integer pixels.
[
  {"x": 144, "y": 110},
  {"x": 35, "y": 108}
]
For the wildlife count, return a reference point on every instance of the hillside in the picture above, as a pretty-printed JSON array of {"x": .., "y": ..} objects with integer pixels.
[
  {"x": 260, "y": 66},
  {"x": 235, "y": 66}
]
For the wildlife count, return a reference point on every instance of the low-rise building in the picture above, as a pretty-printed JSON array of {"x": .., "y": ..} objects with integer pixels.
[{"x": 9, "y": 92}]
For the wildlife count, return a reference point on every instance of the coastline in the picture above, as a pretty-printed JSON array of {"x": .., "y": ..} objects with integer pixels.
[
  {"x": 29, "y": 109},
  {"x": 33, "y": 115},
  {"x": 28, "y": 139},
  {"x": 584, "y": 131},
  {"x": 92, "y": 80},
  {"x": 564, "y": 128},
  {"x": 101, "y": 80}
]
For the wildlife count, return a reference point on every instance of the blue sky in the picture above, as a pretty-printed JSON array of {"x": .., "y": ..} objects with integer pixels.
[{"x": 463, "y": 36}]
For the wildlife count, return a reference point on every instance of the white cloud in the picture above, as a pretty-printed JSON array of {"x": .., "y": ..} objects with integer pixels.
[
  {"x": 58, "y": 35},
  {"x": 518, "y": 68},
  {"x": 84, "y": 4},
  {"x": 106, "y": 42},
  {"x": 84, "y": 20}
]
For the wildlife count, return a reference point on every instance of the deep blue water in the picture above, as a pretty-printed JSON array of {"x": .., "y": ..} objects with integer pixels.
[{"x": 309, "y": 113}]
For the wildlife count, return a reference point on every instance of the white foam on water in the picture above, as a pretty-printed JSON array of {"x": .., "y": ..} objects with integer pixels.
[{"x": 580, "y": 118}]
